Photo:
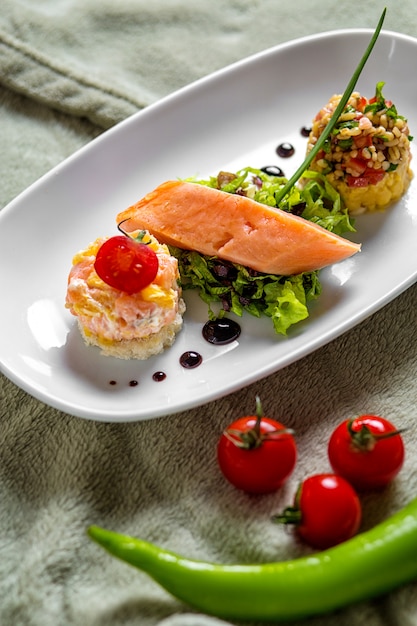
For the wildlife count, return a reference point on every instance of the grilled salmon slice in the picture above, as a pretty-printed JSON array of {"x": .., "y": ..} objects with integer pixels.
[{"x": 235, "y": 228}]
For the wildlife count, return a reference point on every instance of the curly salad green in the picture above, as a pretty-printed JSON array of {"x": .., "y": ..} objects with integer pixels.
[{"x": 230, "y": 287}]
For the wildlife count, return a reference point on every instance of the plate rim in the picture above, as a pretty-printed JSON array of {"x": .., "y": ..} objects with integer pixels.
[{"x": 167, "y": 101}]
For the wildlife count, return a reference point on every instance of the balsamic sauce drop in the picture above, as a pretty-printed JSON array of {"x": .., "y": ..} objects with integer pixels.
[
  {"x": 190, "y": 359},
  {"x": 158, "y": 376},
  {"x": 273, "y": 170},
  {"x": 285, "y": 150},
  {"x": 305, "y": 131},
  {"x": 221, "y": 332}
]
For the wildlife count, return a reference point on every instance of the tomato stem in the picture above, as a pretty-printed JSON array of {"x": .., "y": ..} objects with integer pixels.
[
  {"x": 290, "y": 515},
  {"x": 259, "y": 416},
  {"x": 253, "y": 437},
  {"x": 364, "y": 439}
]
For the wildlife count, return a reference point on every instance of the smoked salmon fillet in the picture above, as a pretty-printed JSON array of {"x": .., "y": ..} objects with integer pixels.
[{"x": 235, "y": 228}]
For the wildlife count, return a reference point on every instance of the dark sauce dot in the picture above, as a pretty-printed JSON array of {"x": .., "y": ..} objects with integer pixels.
[
  {"x": 191, "y": 359},
  {"x": 159, "y": 376},
  {"x": 112, "y": 382},
  {"x": 133, "y": 383},
  {"x": 221, "y": 332},
  {"x": 285, "y": 150},
  {"x": 305, "y": 131},
  {"x": 273, "y": 170}
]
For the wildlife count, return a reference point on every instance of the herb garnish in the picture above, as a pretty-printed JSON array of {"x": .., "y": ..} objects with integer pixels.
[
  {"x": 337, "y": 113},
  {"x": 238, "y": 288}
]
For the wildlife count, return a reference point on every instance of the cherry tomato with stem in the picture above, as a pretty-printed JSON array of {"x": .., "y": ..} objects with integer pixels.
[
  {"x": 368, "y": 451},
  {"x": 126, "y": 264},
  {"x": 256, "y": 453},
  {"x": 326, "y": 511}
]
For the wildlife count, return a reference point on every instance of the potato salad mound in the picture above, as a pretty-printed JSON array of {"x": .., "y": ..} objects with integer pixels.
[{"x": 122, "y": 324}]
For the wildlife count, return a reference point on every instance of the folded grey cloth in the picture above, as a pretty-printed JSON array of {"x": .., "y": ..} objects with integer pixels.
[{"x": 70, "y": 69}]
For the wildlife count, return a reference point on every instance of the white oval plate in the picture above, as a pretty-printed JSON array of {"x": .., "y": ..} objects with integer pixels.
[{"x": 233, "y": 118}]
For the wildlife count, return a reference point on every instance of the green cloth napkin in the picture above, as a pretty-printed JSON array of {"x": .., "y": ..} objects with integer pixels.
[{"x": 69, "y": 70}]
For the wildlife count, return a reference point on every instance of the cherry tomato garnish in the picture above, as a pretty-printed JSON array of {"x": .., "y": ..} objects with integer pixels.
[
  {"x": 126, "y": 264},
  {"x": 370, "y": 177},
  {"x": 256, "y": 453},
  {"x": 368, "y": 451},
  {"x": 326, "y": 511},
  {"x": 356, "y": 166},
  {"x": 361, "y": 141}
]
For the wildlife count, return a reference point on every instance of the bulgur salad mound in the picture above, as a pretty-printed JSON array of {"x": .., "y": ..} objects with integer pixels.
[{"x": 367, "y": 156}]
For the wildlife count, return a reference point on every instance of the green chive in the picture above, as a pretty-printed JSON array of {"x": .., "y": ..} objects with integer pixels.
[{"x": 339, "y": 110}]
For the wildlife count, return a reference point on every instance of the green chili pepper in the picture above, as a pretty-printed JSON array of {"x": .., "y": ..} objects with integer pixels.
[{"x": 368, "y": 565}]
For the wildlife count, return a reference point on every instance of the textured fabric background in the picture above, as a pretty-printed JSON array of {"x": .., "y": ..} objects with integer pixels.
[{"x": 70, "y": 69}]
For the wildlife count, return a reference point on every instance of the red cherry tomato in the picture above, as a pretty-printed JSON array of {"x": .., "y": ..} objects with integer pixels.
[
  {"x": 356, "y": 166},
  {"x": 370, "y": 177},
  {"x": 368, "y": 451},
  {"x": 326, "y": 511},
  {"x": 257, "y": 454},
  {"x": 361, "y": 141},
  {"x": 126, "y": 264}
]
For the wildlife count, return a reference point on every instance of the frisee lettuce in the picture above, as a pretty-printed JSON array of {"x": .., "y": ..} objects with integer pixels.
[{"x": 232, "y": 287}]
